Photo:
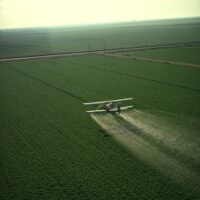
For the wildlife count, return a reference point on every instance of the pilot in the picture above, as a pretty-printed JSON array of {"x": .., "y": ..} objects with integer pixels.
[{"x": 108, "y": 106}]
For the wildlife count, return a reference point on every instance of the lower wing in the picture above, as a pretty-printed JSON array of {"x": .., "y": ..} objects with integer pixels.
[{"x": 111, "y": 110}]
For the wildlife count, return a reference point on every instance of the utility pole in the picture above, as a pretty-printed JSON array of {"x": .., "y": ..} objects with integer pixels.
[
  {"x": 104, "y": 47},
  {"x": 88, "y": 46}
]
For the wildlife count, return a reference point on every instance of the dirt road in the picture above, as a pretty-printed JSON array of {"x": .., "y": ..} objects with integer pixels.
[
  {"x": 42, "y": 56},
  {"x": 107, "y": 51},
  {"x": 153, "y": 60}
]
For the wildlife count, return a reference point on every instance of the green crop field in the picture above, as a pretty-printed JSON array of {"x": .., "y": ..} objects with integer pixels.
[
  {"x": 183, "y": 54},
  {"x": 52, "y": 149},
  {"x": 56, "y": 40}
]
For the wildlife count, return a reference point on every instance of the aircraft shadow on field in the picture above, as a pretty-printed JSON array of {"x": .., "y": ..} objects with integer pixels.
[{"x": 105, "y": 134}]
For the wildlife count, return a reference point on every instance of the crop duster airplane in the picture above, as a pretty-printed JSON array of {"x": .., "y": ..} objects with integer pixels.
[{"x": 110, "y": 106}]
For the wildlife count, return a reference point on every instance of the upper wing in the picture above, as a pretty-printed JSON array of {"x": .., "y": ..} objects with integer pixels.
[{"x": 102, "y": 102}]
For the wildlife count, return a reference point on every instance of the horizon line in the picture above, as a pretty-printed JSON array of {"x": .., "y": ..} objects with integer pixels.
[{"x": 99, "y": 23}]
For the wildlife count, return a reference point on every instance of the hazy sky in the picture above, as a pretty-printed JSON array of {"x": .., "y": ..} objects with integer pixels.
[{"x": 28, "y": 13}]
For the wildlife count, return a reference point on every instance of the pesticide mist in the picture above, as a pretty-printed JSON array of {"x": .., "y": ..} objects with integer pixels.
[{"x": 157, "y": 141}]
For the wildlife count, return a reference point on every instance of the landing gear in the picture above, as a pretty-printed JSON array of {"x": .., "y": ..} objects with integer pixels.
[{"x": 118, "y": 108}]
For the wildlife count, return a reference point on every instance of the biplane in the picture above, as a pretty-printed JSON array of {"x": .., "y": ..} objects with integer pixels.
[{"x": 110, "y": 106}]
